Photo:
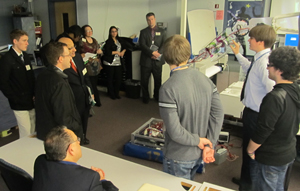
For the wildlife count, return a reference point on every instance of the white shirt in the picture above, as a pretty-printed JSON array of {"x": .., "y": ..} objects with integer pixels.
[
  {"x": 258, "y": 83},
  {"x": 17, "y": 52}
]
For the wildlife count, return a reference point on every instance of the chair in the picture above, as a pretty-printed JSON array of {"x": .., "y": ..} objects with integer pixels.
[{"x": 15, "y": 178}]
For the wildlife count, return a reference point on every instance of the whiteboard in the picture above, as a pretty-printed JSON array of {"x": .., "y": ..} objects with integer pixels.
[{"x": 280, "y": 7}]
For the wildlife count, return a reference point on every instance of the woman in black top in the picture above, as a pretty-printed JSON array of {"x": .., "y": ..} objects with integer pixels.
[{"x": 112, "y": 60}]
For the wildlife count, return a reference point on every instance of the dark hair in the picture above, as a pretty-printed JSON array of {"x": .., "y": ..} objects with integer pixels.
[
  {"x": 74, "y": 29},
  {"x": 109, "y": 35},
  {"x": 83, "y": 29},
  {"x": 16, "y": 34},
  {"x": 287, "y": 60},
  {"x": 264, "y": 33},
  {"x": 53, "y": 50},
  {"x": 150, "y": 14},
  {"x": 56, "y": 143},
  {"x": 176, "y": 50}
]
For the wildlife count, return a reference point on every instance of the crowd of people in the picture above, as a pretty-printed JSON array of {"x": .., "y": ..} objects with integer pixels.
[{"x": 57, "y": 104}]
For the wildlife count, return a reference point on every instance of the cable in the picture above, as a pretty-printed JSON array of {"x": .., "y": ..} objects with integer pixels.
[{"x": 230, "y": 157}]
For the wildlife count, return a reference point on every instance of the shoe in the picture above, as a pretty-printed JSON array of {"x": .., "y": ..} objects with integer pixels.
[
  {"x": 85, "y": 141},
  {"x": 112, "y": 97},
  {"x": 235, "y": 181},
  {"x": 118, "y": 97},
  {"x": 145, "y": 100}
]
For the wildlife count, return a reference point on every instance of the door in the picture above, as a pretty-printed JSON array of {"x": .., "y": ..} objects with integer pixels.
[
  {"x": 62, "y": 15},
  {"x": 65, "y": 15}
]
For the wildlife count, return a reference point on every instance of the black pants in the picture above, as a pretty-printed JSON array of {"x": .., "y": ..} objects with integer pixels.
[
  {"x": 249, "y": 126},
  {"x": 114, "y": 80},
  {"x": 145, "y": 75},
  {"x": 94, "y": 82},
  {"x": 84, "y": 115}
]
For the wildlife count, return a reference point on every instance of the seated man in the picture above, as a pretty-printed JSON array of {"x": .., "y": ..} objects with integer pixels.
[{"x": 57, "y": 169}]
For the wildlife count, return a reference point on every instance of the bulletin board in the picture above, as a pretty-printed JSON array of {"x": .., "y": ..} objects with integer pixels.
[{"x": 243, "y": 9}]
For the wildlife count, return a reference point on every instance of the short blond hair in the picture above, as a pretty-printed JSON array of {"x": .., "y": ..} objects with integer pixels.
[{"x": 176, "y": 50}]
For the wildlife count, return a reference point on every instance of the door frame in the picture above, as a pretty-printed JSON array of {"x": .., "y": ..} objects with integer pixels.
[{"x": 52, "y": 16}]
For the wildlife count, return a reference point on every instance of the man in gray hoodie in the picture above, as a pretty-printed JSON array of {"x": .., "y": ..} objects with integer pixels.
[
  {"x": 273, "y": 144},
  {"x": 190, "y": 107}
]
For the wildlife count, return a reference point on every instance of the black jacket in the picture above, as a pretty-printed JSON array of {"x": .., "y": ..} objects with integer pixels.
[
  {"x": 79, "y": 82},
  {"x": 17, "y": 80},
  {"x": 54, "y": 175},
  {"x": 278, "y": 124},
  {"x": 109, "y": 47},
  {"x": 145, "y": 42},
  {"x": 55, "y": 103}
]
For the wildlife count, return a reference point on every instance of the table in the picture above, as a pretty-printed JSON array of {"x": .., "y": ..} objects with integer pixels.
[{"x": 126, "y": 175}]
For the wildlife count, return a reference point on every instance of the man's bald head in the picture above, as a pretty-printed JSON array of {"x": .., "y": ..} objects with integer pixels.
[{"x": 70, "y": 45}]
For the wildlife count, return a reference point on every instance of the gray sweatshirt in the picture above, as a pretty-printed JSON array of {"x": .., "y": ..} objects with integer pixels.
[{"x": 190, "y": 108}]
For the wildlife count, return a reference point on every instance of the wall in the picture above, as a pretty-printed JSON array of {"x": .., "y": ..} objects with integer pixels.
[
  {"x": 6, "y": 19},
  {"x": 280, "y": 7},
  {"x": 167, "y": 11},
  {"x": 128, "y": 15},
  {"x": 41, "y": 13},
  {"x": 82, "y": 12}
]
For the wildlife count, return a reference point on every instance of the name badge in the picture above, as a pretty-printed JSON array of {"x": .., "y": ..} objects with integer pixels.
[
  {"x": 83, "y": 40},
  {"x": 27, "y": 67},
  {"x": 84, "y": 71},
  {"x": 157, "y": 33}
]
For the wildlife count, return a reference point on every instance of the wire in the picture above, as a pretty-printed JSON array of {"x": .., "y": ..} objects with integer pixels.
[{"x": 230, "y": 157}]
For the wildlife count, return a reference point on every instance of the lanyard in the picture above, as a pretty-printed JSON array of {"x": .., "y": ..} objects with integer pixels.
[
  {"x": 261, "y": 56},
  {"x": 187, "y": 65}
]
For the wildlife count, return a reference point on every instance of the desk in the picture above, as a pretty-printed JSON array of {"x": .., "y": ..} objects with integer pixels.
[{"x": 126, "y": 175}]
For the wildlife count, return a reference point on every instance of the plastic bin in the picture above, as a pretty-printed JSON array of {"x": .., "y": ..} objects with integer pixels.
[{"x": 133, "y": 89}]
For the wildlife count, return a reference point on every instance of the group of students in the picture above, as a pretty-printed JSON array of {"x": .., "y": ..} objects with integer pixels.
[
  {"x": 18, "y": 82},
  {"x": 189, "y": 102},
  {"x": 192, "y": 113},
  {"x": 111, "y": 57}
]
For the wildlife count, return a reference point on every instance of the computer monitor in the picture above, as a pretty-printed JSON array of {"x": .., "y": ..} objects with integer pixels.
[{"x": 291, "y": 40}]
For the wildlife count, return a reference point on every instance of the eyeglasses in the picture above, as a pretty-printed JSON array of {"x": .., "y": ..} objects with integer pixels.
[
  {"x": 78, "y": 139},
  {"x": 270, "y": 65}
]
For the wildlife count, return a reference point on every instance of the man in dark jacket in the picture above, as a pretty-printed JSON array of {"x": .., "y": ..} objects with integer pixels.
[
  {"x": 55, "y": 102},
  {"x": 273, "y": 144},
  {"x": 17, "y": 82},
  {"x": 151, "y": 43},
  {"x": 79, "y": 82},
  {"x": 58, "y": 168}
]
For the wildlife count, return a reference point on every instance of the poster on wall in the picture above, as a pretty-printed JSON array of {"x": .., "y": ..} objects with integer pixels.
[
  {"x": 242, "y": 10},
  {"x": 240, "y": 13}
]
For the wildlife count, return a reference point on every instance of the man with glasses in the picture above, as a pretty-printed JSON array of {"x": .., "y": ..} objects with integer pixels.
[
  {"x": 79, "y": 82},
  {"x": 273, "y": 144},
  {"x": 58, "y": 168},
  {"x": 55, "y": 102},
  {"x": 256, "y": 86}
]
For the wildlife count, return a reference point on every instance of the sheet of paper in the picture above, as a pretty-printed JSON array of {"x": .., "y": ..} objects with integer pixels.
[
  {"x": 219, "y": 14},
  {"x": 88, "y": 55},
  {"x": 151, "y": 187},
  {"x": 212, "y": 187}
]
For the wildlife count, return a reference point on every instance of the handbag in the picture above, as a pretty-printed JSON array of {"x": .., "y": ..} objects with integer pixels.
[{"x": 94, "y": 66}]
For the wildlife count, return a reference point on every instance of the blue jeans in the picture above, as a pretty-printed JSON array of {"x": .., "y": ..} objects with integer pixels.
[
  {"x": 184, "y": 169},
  {"x": 269, "y": 178}
]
